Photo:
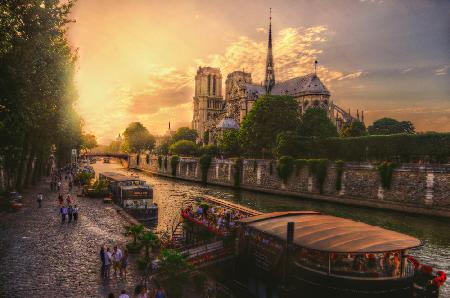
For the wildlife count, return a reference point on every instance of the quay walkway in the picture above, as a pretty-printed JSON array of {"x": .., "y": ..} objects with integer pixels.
[{"x": 40, "y": 257}]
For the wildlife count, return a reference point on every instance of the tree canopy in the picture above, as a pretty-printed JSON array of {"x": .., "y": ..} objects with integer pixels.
[
  {"x": 229, "y": 143},
  {"x": 353, "y": 129},
  {"x": 389, "y": 126},
  {"x": 183, "y": 148},
  {"x": 37, "y": 89},
  {"x": 185, "y": 133},
  {"x": 137, "y": 138},
  {"x": 269, "y": 116},
  {"x": 88, "y": 141},
  {"x": 316, "y": 123}
]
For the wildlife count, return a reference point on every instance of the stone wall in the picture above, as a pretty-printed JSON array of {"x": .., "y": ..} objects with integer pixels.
[{"x": 415, "y": 188}]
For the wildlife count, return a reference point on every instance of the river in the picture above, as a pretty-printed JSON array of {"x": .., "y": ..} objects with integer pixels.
[{"x": 171, "y": 195}]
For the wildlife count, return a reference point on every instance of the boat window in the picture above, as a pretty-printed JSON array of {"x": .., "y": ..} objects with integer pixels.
[
  {"x": 366, "y": 265},
  {"x": 313, "y": 259}
]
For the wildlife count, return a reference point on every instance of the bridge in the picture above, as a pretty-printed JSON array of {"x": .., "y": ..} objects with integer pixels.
[{"x": 105, "y": 154}]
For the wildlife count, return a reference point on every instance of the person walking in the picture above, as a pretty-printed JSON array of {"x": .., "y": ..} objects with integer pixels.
[
  {"x": 59, "y": 185},
  {"x": 70, "y": 213},
  {"x": 75, "y": 213},
  {"x": 123, "y": 294},
  {"x": 103, "y": 260},
  {"x": 60, "y": 199},
  {"x": 108, "y": 258},
  {"x": 124, "y": 264},
  {"x": 117, "y": 260},
  {"x": 63, "y": 212},
  {"x": 40, "y": 197},
  {"x": 70, "y": 185},
  {"x": 69, "y": 199}
]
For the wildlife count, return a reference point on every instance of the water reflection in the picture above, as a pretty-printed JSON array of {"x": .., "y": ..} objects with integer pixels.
[{"x": 171, "y": 195}]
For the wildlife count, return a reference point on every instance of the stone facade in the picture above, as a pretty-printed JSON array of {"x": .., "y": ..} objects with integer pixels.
[{"x": 412, "y": 188}]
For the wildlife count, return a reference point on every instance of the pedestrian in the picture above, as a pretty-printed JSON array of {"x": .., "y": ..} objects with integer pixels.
[
  {"x": 143, "y": 293},
  {"x": 63, "y": 212},
  {"x": 124, "y": 264},
  {"x": 70, "y": 213},
  {"x": 103, "y": 260},
  {"x": 40, "y": 197},
  {"x": 60, "y": 199},
  {"x": 70, "y": 185},
  {"x": 108, "y": 257},
  {"x": 117, "y": 260},
  {"x": 69, "y": 199},
  {"x": 59, "y": 185},
  {"x": 160, "y": 293},
  {"x": 75, "y": 213},
  {"x": 123, "y": 294},
  {"x": 111, "y": 295}
]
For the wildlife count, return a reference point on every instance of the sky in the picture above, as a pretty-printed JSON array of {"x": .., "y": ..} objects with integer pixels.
[{"x": 138, "y": 58}]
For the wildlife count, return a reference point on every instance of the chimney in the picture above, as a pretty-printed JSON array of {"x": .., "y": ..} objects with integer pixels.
[{"x": 290, "y": 233}]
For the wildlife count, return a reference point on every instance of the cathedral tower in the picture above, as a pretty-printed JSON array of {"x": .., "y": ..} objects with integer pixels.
[
  {"x": 270, "y": 72},
  {"x": 208, "y": 100}
]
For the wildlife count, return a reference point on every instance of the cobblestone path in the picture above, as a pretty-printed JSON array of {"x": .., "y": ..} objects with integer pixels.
[{"x": 40, "y": 257}]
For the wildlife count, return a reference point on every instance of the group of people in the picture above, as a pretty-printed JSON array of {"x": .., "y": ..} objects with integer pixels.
[
  {"x": 116, "y": 258},
  {"x": 219, "y": 217}
]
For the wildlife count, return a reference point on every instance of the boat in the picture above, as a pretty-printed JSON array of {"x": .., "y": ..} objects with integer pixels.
[
  {"x": 287, "y": 253},
  {"x": 133, "y": 194}
]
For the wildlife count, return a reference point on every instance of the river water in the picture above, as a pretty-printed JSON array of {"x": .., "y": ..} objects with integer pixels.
[{"x": 171, "y": 195}]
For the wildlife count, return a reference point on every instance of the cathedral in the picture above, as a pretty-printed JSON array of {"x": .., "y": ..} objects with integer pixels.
[{"x": 213, "y": 114}]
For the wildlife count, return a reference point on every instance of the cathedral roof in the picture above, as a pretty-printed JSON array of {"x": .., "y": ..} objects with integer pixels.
[
  {"x": 309, "y": 84},
  {"x": 228, "y": 123},
  {"x": 254, "y": 91}
]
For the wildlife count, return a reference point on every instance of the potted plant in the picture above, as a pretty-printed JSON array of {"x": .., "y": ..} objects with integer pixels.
[{"x": 136, "y": 231}]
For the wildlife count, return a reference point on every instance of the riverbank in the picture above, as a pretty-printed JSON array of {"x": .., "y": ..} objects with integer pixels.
[
  {"x": 415, "y": 189},
  {"x": 41, "y": 257}
]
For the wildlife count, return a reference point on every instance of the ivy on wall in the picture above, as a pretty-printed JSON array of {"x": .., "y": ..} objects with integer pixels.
[
  {"x": 205, "y": 162},
  {"x": 255, "y": 165},
  {"x": 299, "y": 164},
  {"x": 339, "y": 164},
  {"x": 318, "y": 167},
  {"x": 160, "y": 160},
  {"x": 165, "y": 163},
  {"x": 386, "y": 171},
  {"x": 174, "y": 160},
  {"x": 237, "y": 172},
  {"x": 285, "y": 166}
]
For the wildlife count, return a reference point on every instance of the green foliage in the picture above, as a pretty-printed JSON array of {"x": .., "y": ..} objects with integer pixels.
[
  {"x": 38, "y": 93},
  {"x": 389, "y": 126},
  {"x": 185, "y": 133},
  {"x": 137, "y": 138},
  {"x": 269, "y": 116},
  {"x": 299, "y": 164},
  {"x": 160, "y": 161},
  {"x": 353, "y": 129},
  {"x": 174, "y": 268},
  {"x": 237, "y": 172},
  {"x": 339, "y": 164},
  {"x": 135, "y": 230},
  {"x": 149, "y": 240},
  {"x": 205, "y": 162},
  {"x": 174, "y": 160},
  {"x": 386, "y": 171},
  {"x": 165, "y": 163},
  {"x": 212, "y": 150},
  {"x": 84, "y": 178},
  {"x": 206, "y": 137},
  {"x": 318, "y": 167},
  {"x": 88, "y": 141},
  {"x": 183, "y": 148},
  {"x": 316, "y": 123},
  {"x": 432, "y": 147},
  {"x": 285, "y": 167},
  {"x": 229, "y": 143},
  {"x": 98, "y": 189}
]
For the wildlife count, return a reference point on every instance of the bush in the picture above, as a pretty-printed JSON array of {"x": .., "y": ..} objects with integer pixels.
[
  {"x": 174, "y": 160},
  {"x": 183, "y": 148},
  {"x": 318, "y": 167},
  {"x": 339, "y": 164},
  {"x": 237, "y": 172},
  {"x": 84, "y": 178},
  {"x": 299, "y": 164},
  {"x": 98, "y": 189},
  {"x": 386, "y": 170},
  {"x": 160, "y": 160},
  {"x": 165, "y": 163},
  {"x": 285, "y": 166},
  {"x": 205, "y": 162},
  {"x": 212, "y": 150}
]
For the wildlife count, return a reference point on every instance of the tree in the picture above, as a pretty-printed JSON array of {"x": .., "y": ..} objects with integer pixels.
[
  {"x": 185, "y": 133},
  {"x": 183, "y": 148},
  {"x": 353, "y": 129},
  {"x": 316, "y": 123},
  {"x": 389, "y": 126},
  {"x": 149, "y": 241},
  {"x": 229, "y": 143},
  {"x": 174, "y": 270},
  {"x": 88, "y": 141},
  {"x": 136, "y": 231},
  {"x": 269, "y": 116},
  {"x": 137, "y": 138}
]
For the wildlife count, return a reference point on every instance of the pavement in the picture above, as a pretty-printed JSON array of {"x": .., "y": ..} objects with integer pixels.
[{"x": 40, "y": 257}]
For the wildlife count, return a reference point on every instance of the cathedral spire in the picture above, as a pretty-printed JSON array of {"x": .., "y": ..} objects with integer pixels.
[{"x": 270, "y": 74}]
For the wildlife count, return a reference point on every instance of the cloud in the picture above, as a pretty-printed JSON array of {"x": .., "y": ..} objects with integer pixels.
[
  {"x": 442, "y": 70},
  {"x": 261, "y": 30},
  {"x": 351, "y": 76},
  {"x": 406, "y": 70}
]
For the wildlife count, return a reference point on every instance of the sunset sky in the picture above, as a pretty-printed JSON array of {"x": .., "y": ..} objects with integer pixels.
[{"x": 138, "y": 58}]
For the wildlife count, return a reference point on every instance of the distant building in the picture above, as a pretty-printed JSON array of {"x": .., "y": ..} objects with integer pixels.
[{"x": 213, "y": 114}]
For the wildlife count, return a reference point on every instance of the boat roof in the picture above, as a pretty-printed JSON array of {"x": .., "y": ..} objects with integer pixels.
[
  {"x": 119, "y": 177},
  {"x": 331, "y": 234}
]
